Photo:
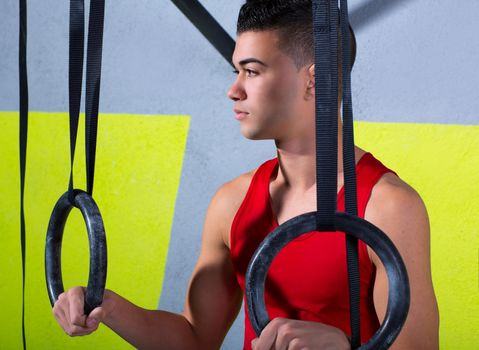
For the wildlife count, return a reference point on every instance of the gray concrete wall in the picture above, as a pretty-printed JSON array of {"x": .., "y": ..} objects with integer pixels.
[{"x": 416, "y": 63}]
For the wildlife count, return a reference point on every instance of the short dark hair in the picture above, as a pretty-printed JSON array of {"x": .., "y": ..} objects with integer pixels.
[{"x": 293, "y": 21}]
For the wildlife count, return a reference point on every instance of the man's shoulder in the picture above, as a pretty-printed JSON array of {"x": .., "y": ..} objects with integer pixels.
[
  {"x": 394, "y": 204},
  {"x": 392, "y": 191},
  {"x": 231, "y": 194},
  {"x": 227, "y": 200},
  {"x": 235, "y": 190}
]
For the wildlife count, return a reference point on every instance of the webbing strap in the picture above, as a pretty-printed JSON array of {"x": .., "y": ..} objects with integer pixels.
[
  {"x": 325, "y": 20},
  {"x": 75, "y": 77},
  {"x": 326, "y": 90},
  {"x": 349, "y": 171},
  {"x": 23, "y": 132},
  {"x": 93, "y": 75}
]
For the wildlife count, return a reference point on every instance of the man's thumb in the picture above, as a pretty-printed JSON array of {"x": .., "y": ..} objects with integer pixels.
[
  {"x": 91, "y": 322},
  {"x": 94, "y": 318}
]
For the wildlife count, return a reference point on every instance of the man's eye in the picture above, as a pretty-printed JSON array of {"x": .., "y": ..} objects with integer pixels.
[{"x": 249, "y": 72}]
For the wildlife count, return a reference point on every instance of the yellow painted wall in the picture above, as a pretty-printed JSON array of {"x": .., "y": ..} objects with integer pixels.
[
  {"x": 138, "y": 168},
  {"x": 442, "y": 163}
]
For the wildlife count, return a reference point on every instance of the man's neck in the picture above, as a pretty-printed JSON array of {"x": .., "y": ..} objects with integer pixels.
[{"x": 297, "y": 162}]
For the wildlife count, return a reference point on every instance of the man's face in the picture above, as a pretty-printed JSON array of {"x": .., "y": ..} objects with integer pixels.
[{"x": 269, "y": 91}]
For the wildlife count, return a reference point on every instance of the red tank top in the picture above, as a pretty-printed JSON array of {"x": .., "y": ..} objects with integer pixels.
[{"x": 308, "y": 278}]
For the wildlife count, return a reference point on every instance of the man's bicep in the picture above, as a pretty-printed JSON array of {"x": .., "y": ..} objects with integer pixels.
[
  {"x": 214, "y": 297},
  {"x": 403, "y": 217},
  {"x": 212, "y": 303}
]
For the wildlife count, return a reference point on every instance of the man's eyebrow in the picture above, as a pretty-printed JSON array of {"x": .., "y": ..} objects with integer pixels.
[{"x": 252, "y": 60}]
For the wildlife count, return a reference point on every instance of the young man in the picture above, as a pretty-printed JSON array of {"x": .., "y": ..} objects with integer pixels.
[{"x": 306, "y": 291}]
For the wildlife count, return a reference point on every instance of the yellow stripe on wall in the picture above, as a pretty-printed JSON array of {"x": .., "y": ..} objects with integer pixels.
[
  {"x": 442, "y": 163},
  {"x": 139, "y": 160}
]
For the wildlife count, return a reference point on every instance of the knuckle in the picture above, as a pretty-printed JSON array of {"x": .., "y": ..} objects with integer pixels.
[
  {"x": 56, "y": 312},
  {"x": 285, "y": 334},
  {"x": 296, "y": 344},
  {"x": 77, "y": 290},
  {"x": 72, "y": 291},
  {"x": 61, "y": 298},
  {"x": 285, "y": 329},
  {"x": 74, "y": 331},
  {"x": 77, "y": 320},
  {"x": 277, "y": 322}
]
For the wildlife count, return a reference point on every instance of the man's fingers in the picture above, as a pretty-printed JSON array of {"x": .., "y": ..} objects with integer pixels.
[
  {"x": 77, "y": 316},
  {"x": 74, "y": 331},
  {"x": 75, "y": 298},
  {"x": 68, "y": 311},
  {"x": 62, "y": 306},
  {"x": 59, "y": 315},
  {"x": 285, "y": 334},
  {"x": 267, "y": 338},
  {"x": 66, "y": 325}
]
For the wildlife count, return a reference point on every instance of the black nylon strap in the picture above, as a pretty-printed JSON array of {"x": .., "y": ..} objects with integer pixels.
[
  {"x": 326, "y": 71},
  {"x": 326, "y": 90},
  {"x": 208, "y": 26},
  {"x": 93, "y": 74},
  {"x": 349, "y": 171},
  {"x": 23, "y": 133},
  {"x": 75, "y": 77}
]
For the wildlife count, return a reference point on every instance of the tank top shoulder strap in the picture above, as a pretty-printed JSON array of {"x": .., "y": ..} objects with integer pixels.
[
  {"x": 256, "y": 200},
  {"x": 369, "y": 171},
  {"x": 262, "y": 176},
  {"x": 259, "y": 187}
]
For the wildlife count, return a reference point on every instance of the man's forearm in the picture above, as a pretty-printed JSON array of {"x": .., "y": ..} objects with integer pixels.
[{"x": 147, "y": 329}]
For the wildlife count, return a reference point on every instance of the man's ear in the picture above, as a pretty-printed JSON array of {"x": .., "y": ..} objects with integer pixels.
[{"x": 310, "y": 82}]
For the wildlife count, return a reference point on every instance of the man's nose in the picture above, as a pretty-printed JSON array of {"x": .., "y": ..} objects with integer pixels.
[{"x": 236, "y": 92}]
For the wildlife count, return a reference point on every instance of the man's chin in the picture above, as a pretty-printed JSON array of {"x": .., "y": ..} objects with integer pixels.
[{"x": 255, "y": 136}]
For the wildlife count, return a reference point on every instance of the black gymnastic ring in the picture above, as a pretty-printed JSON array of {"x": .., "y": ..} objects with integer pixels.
[
  {"x": 98, "y": 252},
  {"x": 399, "y": 297}
]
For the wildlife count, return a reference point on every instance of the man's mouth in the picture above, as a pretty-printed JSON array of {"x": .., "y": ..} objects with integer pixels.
[{"x": 239, "y": 114}]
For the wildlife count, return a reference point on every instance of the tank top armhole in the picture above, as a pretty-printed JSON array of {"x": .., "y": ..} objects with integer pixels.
[{"x": 373, "y": 170}]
